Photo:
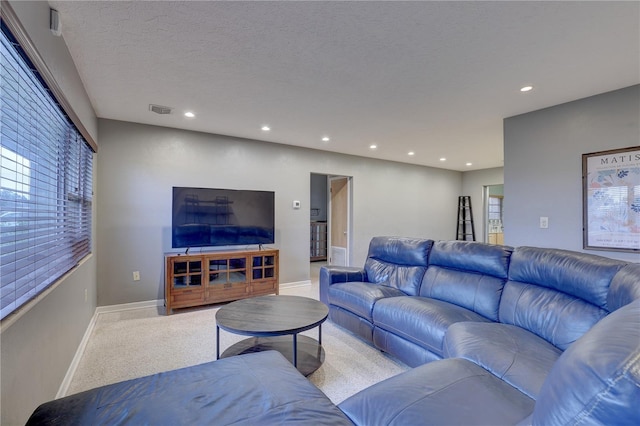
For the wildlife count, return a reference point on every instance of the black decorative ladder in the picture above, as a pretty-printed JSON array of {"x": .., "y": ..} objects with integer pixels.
[{"x": 466, "y": 230}]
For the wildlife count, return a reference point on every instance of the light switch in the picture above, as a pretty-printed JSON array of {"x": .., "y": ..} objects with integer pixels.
[
  {"x": 296, "y": 204},
  {"x": 544, "y": 222}
]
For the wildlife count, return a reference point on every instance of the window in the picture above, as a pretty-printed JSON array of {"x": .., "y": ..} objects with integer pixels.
[
  {"x": 495, "y": 209},
  {"x": 45, "y": 183}
]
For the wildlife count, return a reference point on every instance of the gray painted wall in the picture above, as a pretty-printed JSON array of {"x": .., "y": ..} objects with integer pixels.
[
  {"x": 34, "y": 16},
  {"x": 543, "y": 165},
  {"x": 38, "y": 345},
  {"x": 139, "y": 164},
  {"x": 37, "y": 350}
]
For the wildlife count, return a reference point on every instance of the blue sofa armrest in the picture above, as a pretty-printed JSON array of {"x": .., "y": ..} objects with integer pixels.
[
  {"x": 338, "y": 274},
  {"x": 261, "y": 388}
]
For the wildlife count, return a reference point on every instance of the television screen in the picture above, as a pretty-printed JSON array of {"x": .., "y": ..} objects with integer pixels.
[{"x": 204, "y": 217}]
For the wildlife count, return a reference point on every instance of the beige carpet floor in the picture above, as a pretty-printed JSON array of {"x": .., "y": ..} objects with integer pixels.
[{"x": 135, "y": 343}]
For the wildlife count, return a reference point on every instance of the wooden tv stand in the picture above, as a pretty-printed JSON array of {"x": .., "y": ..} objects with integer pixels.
[{"x": 214, "y": 277}]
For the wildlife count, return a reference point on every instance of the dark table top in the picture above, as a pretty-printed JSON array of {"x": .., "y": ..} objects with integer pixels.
[{"x": 271, "y": 315}]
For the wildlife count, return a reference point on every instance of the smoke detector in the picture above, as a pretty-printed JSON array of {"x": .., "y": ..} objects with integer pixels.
[{"x": 159, "y": 109}]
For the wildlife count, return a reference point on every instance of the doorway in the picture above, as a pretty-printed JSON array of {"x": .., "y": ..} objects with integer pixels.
[
  {"x": 339, "y": 223},
  {"x": 330, "y": 219},
  {"x": 493, "y": 214},
  {"x": 318, "y": 220}
]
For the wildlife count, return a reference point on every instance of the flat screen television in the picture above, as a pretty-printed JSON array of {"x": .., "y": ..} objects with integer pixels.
[{"x": 204, "y": 217}]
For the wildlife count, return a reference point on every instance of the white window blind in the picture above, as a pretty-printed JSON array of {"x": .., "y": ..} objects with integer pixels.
[{"x": 45, "y": 184}]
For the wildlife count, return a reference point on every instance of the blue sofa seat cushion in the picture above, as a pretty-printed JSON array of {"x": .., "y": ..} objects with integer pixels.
[
  {"x": 444, "y": 392},
  {"x": 596, "y": 380},
  {"x": 359, "y": 297},
  {"x": 421, "y": 320},
  {"x": 513, "y": 354}
]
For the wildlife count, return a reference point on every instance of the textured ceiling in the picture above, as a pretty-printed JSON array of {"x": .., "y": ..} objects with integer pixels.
[{"x": 436, "y": 78}]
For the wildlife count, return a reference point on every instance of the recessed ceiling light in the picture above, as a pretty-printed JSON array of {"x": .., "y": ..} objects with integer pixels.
[
  {"x": 325, "y": 139},
  {"x": 526, "y": 88},
  {"x": 189, "y": 114},
  {"x": 443, "y": 159},
  {"x": 469, "y": 164},
  {"x": 266, "y": 128},
  {"x": 411, "y": 153},
  {"x": 373, "y": 146}
]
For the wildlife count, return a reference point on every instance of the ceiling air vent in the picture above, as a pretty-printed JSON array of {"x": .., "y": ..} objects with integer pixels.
[{"x": 159, "y": 109}]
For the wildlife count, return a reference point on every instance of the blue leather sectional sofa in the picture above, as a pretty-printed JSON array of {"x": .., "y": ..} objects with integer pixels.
[
  {"x": 497, "y": 335},
  {"x": 516, "y": 335}
]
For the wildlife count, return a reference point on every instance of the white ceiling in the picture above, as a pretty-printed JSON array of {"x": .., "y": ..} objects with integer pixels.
[{"x": 436, "y": 78}]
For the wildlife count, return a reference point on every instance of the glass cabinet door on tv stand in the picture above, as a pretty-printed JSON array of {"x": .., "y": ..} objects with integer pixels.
[
  {"x": 227, "y": 278},
  {"x": 264, "y": 272},
  {"x": 185, "y": 281}
]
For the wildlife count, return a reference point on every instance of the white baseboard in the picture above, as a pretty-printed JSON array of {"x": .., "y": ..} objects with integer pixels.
[
  {"x": 66, "y": 382},
  {"x": 71, "y": 371},
  {"x": 296, "y": 284},
  {"x": 130, "y": 306}
]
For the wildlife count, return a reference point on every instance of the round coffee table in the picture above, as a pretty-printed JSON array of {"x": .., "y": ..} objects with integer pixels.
[{"x": 270, "y": 319}]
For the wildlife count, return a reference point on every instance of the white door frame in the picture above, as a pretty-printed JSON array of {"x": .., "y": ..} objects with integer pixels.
[{"x": 485, "y": 213}]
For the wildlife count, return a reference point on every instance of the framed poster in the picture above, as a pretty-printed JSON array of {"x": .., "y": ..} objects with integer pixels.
[{"x": 611, "y": 200}]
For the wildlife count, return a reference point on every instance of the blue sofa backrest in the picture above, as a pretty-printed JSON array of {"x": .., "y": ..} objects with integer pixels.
[
  {"x": 557, "y": 294},
  {"x": 468, "y": 274},
  {"x": 398, "y": 262},
  {"x": 597, "y": 379},
  {"x": 625, "y": 287}
]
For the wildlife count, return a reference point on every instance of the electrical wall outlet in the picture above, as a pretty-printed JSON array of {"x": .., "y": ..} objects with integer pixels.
[
  {"x": 544, "y": 222},
  {"x": 136, "y": 275}
]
